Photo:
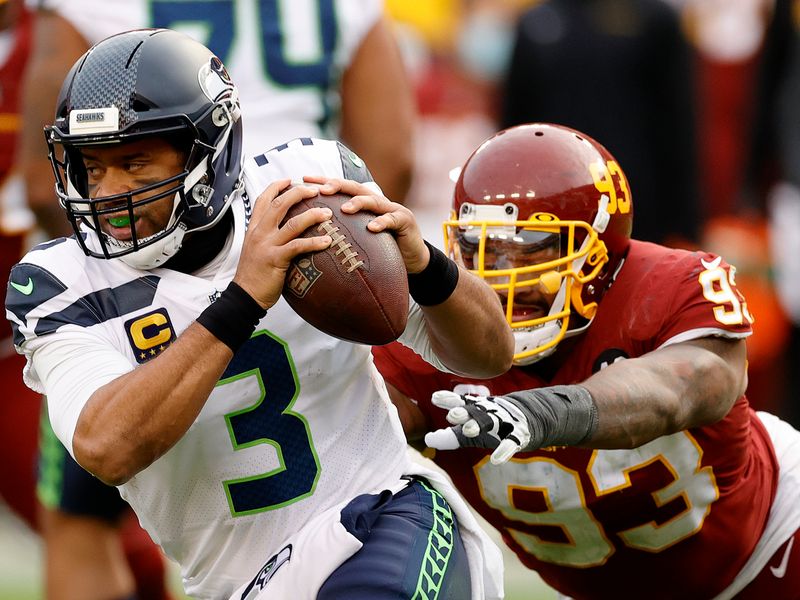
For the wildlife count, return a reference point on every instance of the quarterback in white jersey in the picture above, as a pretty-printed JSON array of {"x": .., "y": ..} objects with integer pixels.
[{"x": 229, "y": 428}]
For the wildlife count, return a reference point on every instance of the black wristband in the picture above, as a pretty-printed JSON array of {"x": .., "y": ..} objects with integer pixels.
[
  {"x": 436, "y": 282},
  {"x": 233, "y": 317}
]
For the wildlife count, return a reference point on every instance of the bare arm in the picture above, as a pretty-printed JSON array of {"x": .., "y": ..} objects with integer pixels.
[
  {"x": 378, "y": 111},
  {"x": 57, "y": 45},
  {"x": 133, "y": 420},
  {"x": 469, "y": 325},
  {"x": 625, "y": 405},
  {"x": 674, "y": 388}
]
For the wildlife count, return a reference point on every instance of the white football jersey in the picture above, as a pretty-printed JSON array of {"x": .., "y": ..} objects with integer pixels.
[
  {"x": 299, "y": 421},
  {"x": 286, "y": 56}
]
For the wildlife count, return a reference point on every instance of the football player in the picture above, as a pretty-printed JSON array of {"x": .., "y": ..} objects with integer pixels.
[
  {"x": 262, "y": 455},
  {"x": 619, "y": 456},
  {"x": 307, "y": 69}
]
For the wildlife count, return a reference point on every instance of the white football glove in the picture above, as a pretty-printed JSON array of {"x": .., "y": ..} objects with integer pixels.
[
  {"x": 480, "y": 421},
  {"x": 561, "y": 415}
]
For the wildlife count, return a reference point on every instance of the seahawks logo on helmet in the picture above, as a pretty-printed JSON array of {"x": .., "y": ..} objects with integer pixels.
[{"x": 215, "y": 81}]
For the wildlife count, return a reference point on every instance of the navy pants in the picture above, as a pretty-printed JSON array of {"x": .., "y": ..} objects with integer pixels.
[
  {"x": 64, "y": 485},
  {"x": 412, "y": 549}
]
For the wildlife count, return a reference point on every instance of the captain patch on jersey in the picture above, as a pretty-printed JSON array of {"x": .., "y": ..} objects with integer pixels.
[{"x": 150, "y": 334}]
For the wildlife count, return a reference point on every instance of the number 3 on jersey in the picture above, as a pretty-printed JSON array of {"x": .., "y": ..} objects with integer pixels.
[{"x": 270, "y": 421}]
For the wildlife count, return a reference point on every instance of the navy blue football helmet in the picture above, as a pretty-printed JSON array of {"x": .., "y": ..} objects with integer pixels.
[{"x": 148, "y": 82}]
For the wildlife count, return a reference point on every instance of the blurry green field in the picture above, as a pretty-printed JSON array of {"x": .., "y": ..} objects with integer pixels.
[{"x": 21, "y": 564}]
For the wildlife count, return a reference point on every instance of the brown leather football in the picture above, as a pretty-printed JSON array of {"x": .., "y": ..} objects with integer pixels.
[{"x": 357, "y": 288}]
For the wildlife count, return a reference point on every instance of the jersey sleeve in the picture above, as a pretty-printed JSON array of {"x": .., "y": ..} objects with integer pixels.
[
  {"x": 67, "y": 359},
  {"x": 705, "y": 301},
  {"x": 70, "y": 366}
]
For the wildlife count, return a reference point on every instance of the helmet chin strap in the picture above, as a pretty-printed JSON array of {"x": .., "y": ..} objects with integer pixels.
[
  {"x": 547, "y": 332},
  {"x": 157, "y": 253}
]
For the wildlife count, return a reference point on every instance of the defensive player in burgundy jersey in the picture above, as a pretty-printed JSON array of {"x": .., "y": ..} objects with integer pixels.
[{"x": 619, "y": 453}]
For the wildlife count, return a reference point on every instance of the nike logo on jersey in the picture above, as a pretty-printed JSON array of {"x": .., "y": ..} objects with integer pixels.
[
  {"x": 26, "y": 289},
  {"x": 780, "y": 570}
]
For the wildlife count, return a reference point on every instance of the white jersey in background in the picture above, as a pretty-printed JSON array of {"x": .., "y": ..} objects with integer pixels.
[
  {"x": 299, "y": 422},
  {"x": 286, "y": 56}
]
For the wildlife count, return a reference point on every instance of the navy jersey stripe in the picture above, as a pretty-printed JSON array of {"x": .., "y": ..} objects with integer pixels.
[
  {"x": 102, "y": 305},
  {"x": 51, "y": 243}
]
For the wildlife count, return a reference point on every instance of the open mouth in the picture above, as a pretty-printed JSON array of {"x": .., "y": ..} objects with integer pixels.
[
  {"x": 119, "y": 226},
  {"x": 526, "y": 312}
]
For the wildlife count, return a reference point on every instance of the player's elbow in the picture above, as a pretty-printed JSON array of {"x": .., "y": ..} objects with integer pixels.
[
  {"x": 111, "y": 456},
  {"x": 495, "y": 359},
  {"x": 101, "y": 460},
  {"x": 503, "y": 359},
  {"x": 712, "y": 386}
]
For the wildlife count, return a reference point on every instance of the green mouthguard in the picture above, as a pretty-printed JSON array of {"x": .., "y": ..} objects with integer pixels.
[{"x": 120, "y": 221}]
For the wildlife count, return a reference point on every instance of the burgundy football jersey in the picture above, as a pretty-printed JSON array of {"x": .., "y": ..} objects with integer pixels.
[{"x": 675, "y": 518}]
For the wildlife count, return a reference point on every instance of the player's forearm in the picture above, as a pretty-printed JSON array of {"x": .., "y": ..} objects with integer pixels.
[
  {"x": 468, "y": 331},
  {"x": 672, "y": 389},
  {"x": 132, "y": 421}
]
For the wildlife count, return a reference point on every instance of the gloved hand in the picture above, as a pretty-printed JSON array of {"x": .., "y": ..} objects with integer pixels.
[
  {"x": 480, "y": 421},
  {"x": 526, "y": 420}
]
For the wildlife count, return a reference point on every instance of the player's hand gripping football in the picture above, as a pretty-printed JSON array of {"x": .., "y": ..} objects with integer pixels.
[
  {"x": 391, "y": 216},
  {"x": 561, "y": 415},
  {"x": 269, "y": 246}
]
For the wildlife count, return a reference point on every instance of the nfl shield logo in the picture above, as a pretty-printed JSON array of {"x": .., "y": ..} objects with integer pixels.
[{"x": 302, "y": 275}]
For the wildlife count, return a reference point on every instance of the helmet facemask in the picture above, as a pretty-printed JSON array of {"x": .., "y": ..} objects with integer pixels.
[
  {"x": 537, "y": 266},
  {"x": 190, "y": 190}
]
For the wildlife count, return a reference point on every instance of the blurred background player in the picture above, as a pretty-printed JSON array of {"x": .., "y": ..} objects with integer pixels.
[
  {"x": 19, "y": 408},
  {"x": 638, "y": 454},
  {"x": 307, "y": 69}
]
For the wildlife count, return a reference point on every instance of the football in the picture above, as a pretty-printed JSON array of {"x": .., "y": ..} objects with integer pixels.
[{"x": 357, "y": 288}]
